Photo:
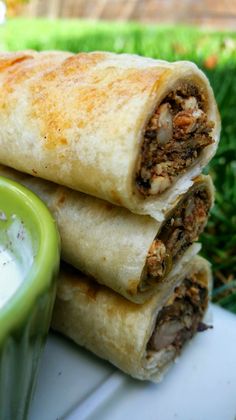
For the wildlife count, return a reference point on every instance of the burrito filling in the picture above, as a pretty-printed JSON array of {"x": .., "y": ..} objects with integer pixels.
[
  {"x": 181, "y": 317},
  {"x": 180, "y": 230},
  {"x": 174, "y": 137}
]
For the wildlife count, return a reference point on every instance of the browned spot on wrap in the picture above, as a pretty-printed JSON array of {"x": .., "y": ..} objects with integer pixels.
[
  {"x": 61, "y": 198},
  {"x": 116, "y": 198},
  {"x": 132, "y": 286},
  {"x": 164, "y": 74},
  {"x": 108, "y": 206},
  {"x": 12, "y": 59},
  {"x": 77, "y": 94},
  {"x": 196, "y": 179},
  {"x": 92, "y": 290},
  {"x": 24, "y": 70},
  {"x": 81, "y": 63},
  {"x": 120, "y": 306},
  {"x": 80, "y": 283},
  {"x": 17, "y": 69},
  {"x": 11, "y": 66}
]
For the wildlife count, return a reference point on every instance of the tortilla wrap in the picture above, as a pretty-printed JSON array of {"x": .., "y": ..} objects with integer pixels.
[
  {"x": 142, "y": 340},
  {"x": 132, "y": 254},
  {"x": 130, "y": 130}
]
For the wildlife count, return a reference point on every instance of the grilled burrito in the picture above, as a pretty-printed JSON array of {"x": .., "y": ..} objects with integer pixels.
[
  {"x": 142, "y": 340},
  {"x": 133, "y": 131},
  {"x": 129, "y": 253}
]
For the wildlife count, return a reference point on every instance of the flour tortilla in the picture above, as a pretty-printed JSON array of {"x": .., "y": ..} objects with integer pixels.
[
  {"x": 113, "y": 328},
  {"x": 78, "y": 120},
  {"x": 105, "y": 241}
]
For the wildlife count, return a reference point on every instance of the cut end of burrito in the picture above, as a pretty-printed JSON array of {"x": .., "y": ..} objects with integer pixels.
[
  {"x": 142, "y": 340},
  {"x": 179, "y": 319},
  {"x": 181, "y": 228},
  {"x": 175, "y": 136}
]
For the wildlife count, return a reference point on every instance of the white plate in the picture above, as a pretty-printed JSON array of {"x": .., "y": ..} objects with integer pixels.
[{"x": 73, "y": 384}]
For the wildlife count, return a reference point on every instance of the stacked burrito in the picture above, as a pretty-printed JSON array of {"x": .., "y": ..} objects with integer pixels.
[{"x": 115, "y": 146}]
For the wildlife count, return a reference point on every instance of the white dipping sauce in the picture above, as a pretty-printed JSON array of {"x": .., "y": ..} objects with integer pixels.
[{"x": 10, "y": 275}]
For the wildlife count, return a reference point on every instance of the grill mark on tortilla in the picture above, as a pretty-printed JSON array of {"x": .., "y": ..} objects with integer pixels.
[{"x": 88, "y": 95}]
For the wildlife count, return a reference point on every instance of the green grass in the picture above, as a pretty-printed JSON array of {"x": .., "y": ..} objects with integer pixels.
[{"x": 170, "y": 43}]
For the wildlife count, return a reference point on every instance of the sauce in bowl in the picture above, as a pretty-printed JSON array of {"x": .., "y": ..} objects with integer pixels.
[
  {"x": 16, "y": 255},
  {"x": 10, "y": 275},
  {"x": 29, "y": 263}
]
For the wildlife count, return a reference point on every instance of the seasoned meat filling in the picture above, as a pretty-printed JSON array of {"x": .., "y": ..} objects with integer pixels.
[
  {"x": 185, "y": 226},
  {"x": 175, "y": 136},
  {"x": 180, "y": 230},
  {"x": 181, "y": 317}
]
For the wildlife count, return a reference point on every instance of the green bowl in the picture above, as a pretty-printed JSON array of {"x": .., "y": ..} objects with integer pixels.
[{"x": 29, "y": 255}]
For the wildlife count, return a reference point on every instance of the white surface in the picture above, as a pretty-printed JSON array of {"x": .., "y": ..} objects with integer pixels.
[{"x": 74, "y": 385}]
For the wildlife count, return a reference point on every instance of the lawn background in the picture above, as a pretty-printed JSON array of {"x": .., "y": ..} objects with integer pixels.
[{"x": 215, "y": 53}]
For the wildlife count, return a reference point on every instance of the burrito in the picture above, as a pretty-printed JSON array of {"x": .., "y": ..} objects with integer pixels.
[
  {"x": 129, "y": 253},
  {"x": 142, "y": 340},
  {"x": 131, "y": 130}
]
